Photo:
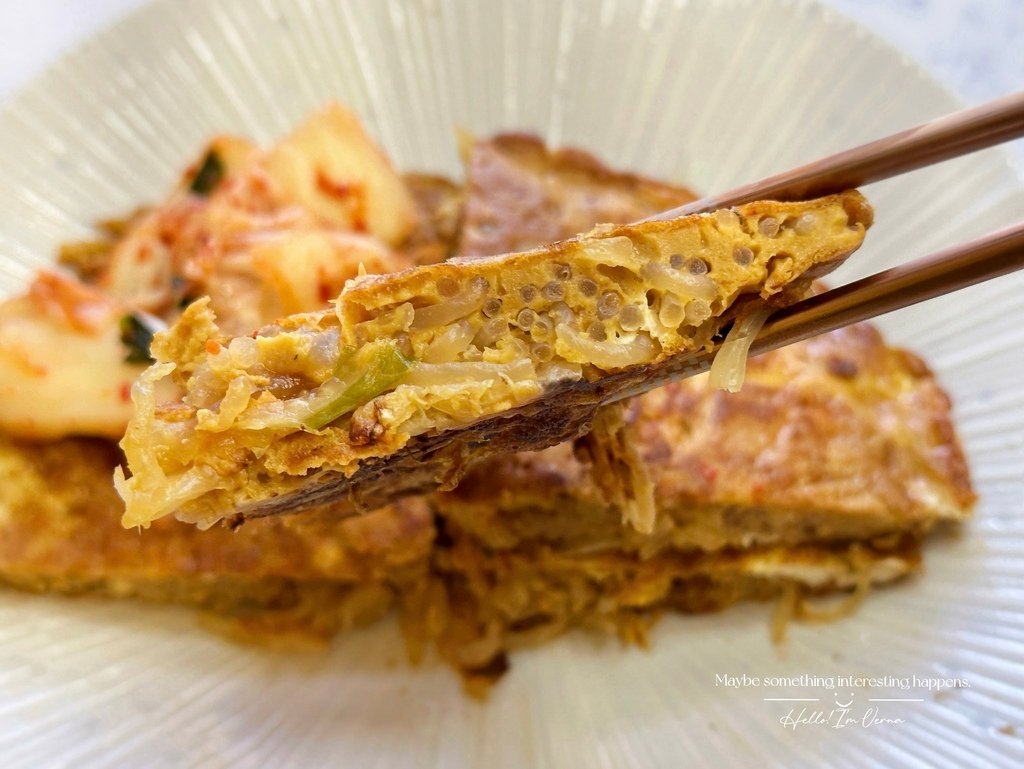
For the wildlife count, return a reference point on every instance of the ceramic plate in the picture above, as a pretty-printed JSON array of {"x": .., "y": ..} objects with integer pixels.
[{"x": 707, "y": 93}]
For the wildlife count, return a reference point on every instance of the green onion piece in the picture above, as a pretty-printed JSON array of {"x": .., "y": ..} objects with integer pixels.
[
  {"x": 387, "y": 366},
  {"x": 209, "y": 175},
  {"x": 345, "y": 358},
  {"x": 137, "y": 336}
]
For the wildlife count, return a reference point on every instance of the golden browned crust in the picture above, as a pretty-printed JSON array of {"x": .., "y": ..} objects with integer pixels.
[
  {"x": 521, "y": 195},
  {"x": 60, "y": 531},
  {"x": 438, "y": 218},
  {"x": 647, "y": 269},
  {"x": 703, "y": 447},
  {"x": 495, "y": 602},
  {"x": 839, "y": 437},
  {"x": 843, "y": 221},
  {"x": 529, "y": 545}
]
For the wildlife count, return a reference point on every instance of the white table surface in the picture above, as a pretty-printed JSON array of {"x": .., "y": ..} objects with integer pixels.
[{"x": 975, "y": 47}]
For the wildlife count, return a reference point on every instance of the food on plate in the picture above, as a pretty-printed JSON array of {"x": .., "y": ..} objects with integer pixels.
[
  {"x": 837, "y": 438},
  {"x": 438, "y": 204},
  {"x": 520, "y": 195},
  {"x": 347, "y": 403},
  {"x": 303, "y": 579},
  {"x": 823, "y": 475},
  {"x": 495, "y": 603},
  {"x": 64, "y": 337},
  {"x": 260, "y": 233}
]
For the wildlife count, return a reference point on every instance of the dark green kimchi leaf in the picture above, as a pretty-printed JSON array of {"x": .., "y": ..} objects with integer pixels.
[
  {"x": 210, "y": 172},
  {"x": 137, "y": 336}
]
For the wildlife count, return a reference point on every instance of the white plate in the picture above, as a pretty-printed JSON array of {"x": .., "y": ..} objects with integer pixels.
[{"x": 709, "y": 93}]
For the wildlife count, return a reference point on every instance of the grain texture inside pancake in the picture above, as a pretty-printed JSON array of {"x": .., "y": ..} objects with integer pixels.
[{"x": 433, "y": 367}]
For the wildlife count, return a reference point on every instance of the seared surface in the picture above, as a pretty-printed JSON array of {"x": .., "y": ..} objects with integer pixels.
[
  {"x": 672, "y": 286},
  {"x": 520, "y": 195},
  {"x": 839, "y": 437},
  {"x": 60, "y": 531},
  {"x": 438, "y": 218}
]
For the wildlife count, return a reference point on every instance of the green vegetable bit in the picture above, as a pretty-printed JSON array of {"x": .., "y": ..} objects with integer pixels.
[
  {"x": 209, "y": 175},
  {"x": 386, "y": 368},
  {"x": 344, "y": 364},
  {"x": 137, "y": 336}
]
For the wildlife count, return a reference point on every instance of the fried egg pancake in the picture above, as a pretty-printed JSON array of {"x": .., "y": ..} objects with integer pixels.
[
  {"x": 414, "y": 375},
  {"x": 60, "y": 532}
]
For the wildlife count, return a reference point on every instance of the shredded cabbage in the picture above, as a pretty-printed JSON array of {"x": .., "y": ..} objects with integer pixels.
[
  {"x": 729, "y": 367},
  {"x": 683, "y": 284},
  {"x": 613, "y": 354}
]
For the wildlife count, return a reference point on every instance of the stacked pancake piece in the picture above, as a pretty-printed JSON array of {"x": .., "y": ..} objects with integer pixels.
[
  {"x": 277, "y": 580},
  {"x": 821, "y": 475}
]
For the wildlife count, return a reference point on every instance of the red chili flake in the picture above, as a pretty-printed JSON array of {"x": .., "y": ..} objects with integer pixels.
[
  {"x": 359, "y": 217},
  {"x": 344, "y": 191},
  {"x": 125, "y": 392},
  {"x": 323, "y": 286},
  {"x": 329, "y": 186},
  {"x": 708, "y": 472}
]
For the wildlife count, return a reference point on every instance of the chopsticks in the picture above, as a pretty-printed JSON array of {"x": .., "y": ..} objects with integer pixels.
[
  {"x": 943, "y": 272},
  {"x": 960, "y": 133}
]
